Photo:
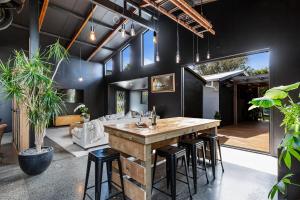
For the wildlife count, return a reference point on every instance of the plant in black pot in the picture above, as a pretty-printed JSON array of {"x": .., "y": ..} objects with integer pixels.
[
  {"x": 29, "y": 81},
  {"x": 289, "y": 148}
]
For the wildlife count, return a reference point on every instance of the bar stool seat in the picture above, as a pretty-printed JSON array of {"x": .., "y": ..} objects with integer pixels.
[
  {"x": 212, "y": 140},
  {"x": 99, "y": 157},
  {"x": 171, "y": 154},
  {"x": 192, "y": 145}
]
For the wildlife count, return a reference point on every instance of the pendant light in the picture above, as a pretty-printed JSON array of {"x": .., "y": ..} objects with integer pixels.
[
  {"x": 177, "y": 52},
  {"x": 92, "y": 31},
  {"x": 197, "y": 54},
  {"x": 155, "y": 40},
  {"x": 123, "y": 31},
  {"x": 208, "y": 54},
  {"x": 155, "y": 37},
  {"x": 80, "y": 79},
  {"x": 132, "y": 31}
]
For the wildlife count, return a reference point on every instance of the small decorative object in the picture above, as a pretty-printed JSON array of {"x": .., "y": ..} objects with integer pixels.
[
  {"x": 217, "y": 115},
  {"x": 83, "y": 112},
  {"x": 163, "y": 83}
]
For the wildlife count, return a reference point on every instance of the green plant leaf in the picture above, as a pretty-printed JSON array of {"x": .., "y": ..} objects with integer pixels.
[
  {"x": 288, "y": 88},
  {"x": 275, "y": 94},
  {"x": 288, "y": 160},
  {"x": 263, "y": 102},
  {"x": 295, "y": 154},
  {"x": 253, "y": 107},
  {"x": 273, "y": 191}
]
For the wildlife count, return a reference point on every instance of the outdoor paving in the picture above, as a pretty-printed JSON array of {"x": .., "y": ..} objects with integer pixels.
[{"x": 64, "y": 180}]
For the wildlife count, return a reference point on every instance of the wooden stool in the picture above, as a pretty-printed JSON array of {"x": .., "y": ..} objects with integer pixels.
[{"x": 99, "y": 157}]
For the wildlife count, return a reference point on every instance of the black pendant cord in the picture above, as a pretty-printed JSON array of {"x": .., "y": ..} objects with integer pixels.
[{"x": 177, "y": 38}]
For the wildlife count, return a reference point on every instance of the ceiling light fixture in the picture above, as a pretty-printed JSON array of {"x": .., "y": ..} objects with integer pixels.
[
  {"x": 123, "y": 31},
  {"x": 155, "y": 37},
  {"x": 177, "y": 52},
  {"x": 197, "y": 54},
  {"x": 132, "y": 31},
  {"x": 208, "y": 54},
  {"x": 80, "y": 79},
  {"x": 92, "y": 31}
]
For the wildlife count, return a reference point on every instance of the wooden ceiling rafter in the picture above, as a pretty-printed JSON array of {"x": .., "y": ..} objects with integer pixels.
[
  {"x": 76, "y": 35},
  {"x": 173, "y": 17},
  {"x": 43, "y": 13}
]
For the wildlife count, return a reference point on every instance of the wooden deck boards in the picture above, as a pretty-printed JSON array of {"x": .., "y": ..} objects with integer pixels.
[{"x": 248, "y": 135}]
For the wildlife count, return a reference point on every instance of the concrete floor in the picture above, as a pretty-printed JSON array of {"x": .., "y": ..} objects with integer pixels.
[{"x": 64, "y": 180}]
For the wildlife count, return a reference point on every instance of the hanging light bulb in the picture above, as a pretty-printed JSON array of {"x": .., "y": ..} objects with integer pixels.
[
  {"x": 123, "y": 31},
  {"x": 155, "y": 37},
  {"x": 92, "y": 33},
  {"x": 80, "y": 79},
  {"x": 157, "y": 58},
  {"x": 208, "y": 55},
  {"x": 197, "y": 57},
  {"x": 132, "y": 31},
  {"x": 177, "y": 52},
  {"x": 177, "y": 57},
  {"x": 197, "y": 54}
]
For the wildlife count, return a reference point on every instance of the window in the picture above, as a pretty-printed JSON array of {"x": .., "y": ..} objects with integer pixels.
[
  {"x": 120, "y": 102},
  {"x": 148, "y": 47},
  {"x": 126, "y": 58},
  {"x": 108, "y": 67},
  {"x": 144, "y": 97}
]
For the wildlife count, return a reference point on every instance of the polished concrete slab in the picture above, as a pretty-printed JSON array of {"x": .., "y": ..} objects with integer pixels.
[{"x": 64, "y": 180}]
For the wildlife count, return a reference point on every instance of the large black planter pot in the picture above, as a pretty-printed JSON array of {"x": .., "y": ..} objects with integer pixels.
[
  {"x": 293, "y": 192},
  {"x": 34, "y": 164}
]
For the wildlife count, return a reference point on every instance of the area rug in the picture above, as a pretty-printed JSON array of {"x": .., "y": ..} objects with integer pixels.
[{"x": 62, "y": 138}]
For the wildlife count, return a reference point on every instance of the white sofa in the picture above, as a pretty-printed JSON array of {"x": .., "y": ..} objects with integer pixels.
[{"x": 91, "y": 134}]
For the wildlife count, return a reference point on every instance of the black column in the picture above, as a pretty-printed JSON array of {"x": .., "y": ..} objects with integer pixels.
[{"x": 34, "y": 42}]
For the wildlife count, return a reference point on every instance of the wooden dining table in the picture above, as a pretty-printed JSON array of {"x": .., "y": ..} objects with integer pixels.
[{"x": 137, "y": 144}]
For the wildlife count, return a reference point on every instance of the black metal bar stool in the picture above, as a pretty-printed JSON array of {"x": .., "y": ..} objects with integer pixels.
[
  {"x": 213, "y": 141},
  {"x": 171, "y": 154},
  {"x": 99, "y": 157},
  {"x": 192, "y": 145}
]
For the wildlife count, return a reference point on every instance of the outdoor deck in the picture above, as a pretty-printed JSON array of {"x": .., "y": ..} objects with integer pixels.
[{"x": 248, "y": 135}]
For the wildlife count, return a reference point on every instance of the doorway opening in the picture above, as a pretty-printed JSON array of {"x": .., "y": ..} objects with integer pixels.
[{"x": 231, "y": 83}]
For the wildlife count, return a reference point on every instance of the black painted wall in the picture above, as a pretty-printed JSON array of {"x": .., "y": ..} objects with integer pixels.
[
  {"x": 92, "y": 84},
  {"x": 167, "y": 104},
  {"x": 193, "y": 94},
  {"x": 243, "y": 26}
]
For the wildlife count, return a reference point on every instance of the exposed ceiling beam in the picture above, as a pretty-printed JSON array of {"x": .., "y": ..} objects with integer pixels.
[
  {"x": 78, "y": 16},
  {"x": 62, "y": 37},
  {"x": 81, "y": 27},
  {"x": 173, "y": 9},
  {"x": 113, "y": 7},
  {"x": 174, "y": 18},
  {"x": 107, "y": 38},
  {"x": 43, "y": 13},
  {"x": 193, "y": 14}
]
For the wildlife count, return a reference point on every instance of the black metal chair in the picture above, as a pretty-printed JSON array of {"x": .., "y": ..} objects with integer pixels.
[
  {"x": 99, "y": 157},
  {"x": 192, "y": 146},
  {"x": 212, "y": 141},
  {"x": 171, "y": 154}
]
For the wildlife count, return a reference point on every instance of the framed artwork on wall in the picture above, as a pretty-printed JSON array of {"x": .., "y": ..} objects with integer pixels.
[{"x": 163, "y": 83}]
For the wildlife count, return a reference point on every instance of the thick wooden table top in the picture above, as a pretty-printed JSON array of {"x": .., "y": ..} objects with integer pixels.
[{"x": 165, "y": 129}]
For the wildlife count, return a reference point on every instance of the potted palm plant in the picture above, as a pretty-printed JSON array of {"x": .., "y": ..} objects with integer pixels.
[
  {"x": 29, "y": 81},
  {"x": 289, "y": 148}
]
